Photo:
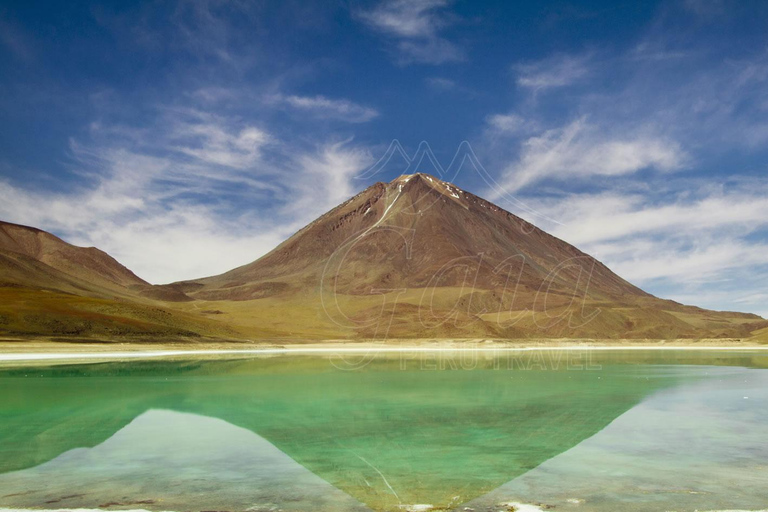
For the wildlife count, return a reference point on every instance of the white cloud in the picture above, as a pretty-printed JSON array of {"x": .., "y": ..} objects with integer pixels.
[
  {"x": 556, "y": 71},
  {"x": 578, "y": 151},
  {"x": 329, "y": 176},
  {"x": 662, "y": 104},
  {"x": 632, "y": 214},
  {"x": 197, "y": 210},
  {"x": 698, "y": 244},
  {"x": 649, "y": 259},
  {"x": 510, "y": 124},
  {"x": 406, "y": 18},
  {"x": 213, "y": 144},
  {"x": 323, "y": 107},
  {"x": 416, "y": 26}
]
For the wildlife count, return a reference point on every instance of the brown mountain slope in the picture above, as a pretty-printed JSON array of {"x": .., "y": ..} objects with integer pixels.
[
  {"x": 52, "y": 288},
  {"x": 415, "y": 232},
  {"x": 414, "y": 258},
  {"x": 37, "y": 255},
  {"x": 36, "y": 258},
  {"x": 418, "y": 257}
]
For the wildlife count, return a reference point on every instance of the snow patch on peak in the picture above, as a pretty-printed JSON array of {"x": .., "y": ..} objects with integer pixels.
[
  {"x": 452, "y": 190},
  {"x": 439, "y": 185}
]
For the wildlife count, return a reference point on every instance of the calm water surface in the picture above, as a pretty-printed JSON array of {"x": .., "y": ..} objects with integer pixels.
[{"x": 600, "y": 431}]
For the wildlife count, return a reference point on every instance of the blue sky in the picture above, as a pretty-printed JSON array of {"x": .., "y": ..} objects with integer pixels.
[{"x": 188, "y": 137}]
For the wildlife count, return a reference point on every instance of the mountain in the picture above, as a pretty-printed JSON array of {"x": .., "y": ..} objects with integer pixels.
[
  {"x": 419, "y": 257},
  {"x": 30, "y": 255},
  {"x": 413, "y": 258},
  {"x": 52, "y": 288},
  {"x": 414, "y": 232}
]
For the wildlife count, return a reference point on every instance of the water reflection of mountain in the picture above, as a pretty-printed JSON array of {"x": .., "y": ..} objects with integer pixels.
[
  {"x": 173, "y": 461},
  {"x": 698, "y": 446},
  {"x": 384, "y": 436}
]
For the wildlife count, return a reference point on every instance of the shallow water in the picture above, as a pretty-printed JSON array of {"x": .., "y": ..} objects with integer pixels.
[{"x": 593, "y": 431}]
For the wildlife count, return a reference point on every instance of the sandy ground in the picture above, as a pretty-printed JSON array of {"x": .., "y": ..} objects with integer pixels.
[{"x": 21, "y": 351}]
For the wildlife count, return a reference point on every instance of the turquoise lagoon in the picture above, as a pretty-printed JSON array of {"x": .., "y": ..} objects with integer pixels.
[{"x": 661, "y": 430}]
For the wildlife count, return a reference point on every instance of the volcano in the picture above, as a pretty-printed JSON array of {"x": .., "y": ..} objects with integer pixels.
[
  {"x": 413, "y": 258},
  {"x": 418, "y": 257}
]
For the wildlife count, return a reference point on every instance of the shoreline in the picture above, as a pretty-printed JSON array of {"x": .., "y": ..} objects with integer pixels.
[{"x": 20, "y": 352}]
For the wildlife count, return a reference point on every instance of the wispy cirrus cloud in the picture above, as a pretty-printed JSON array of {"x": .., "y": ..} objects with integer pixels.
[
  {"x": 333, "y": 168},
  {"x": 186, "y": 168},
  {"x": 739, "y": 211},
  {"x": 556, "y": 71},
  {"x": 681, "y": 238},
  {"x": 510, "y": 125},
  {"x": 579, "y": 150},
  {"x": 415, "y": 26},
  {"x": 210, "y": 139},
  {"x": 609, "y": 132},
  {"x": 418, "y": 18},
  {"x": 322, "y": 107},
  {"x": 195, "y": 195}
]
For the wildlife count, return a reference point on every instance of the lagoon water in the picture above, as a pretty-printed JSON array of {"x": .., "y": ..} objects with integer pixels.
[{"x": 589, "y": 431}]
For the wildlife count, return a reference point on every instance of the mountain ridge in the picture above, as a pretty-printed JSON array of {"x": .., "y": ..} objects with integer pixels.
[
  {"x": 86, "y": 263},
  {"x": 420, "y": 233},
  {"x": 49, "y": 287},
  {"x": 416, "y": 257},
  {"x": 370, "y": 200}
]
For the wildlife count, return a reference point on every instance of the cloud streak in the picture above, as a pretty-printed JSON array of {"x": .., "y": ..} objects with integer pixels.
[
  {"x": 225, "y": 194},
  {"x": 695, "y": 239},
  {"x": 325, "y": 108},
  {"x": 555, "y": 71},
  {"x": 415, "y": 26},
  {"x": 212, "y": 142},
  {"x": 636, "y": 153},
  {"x": 578, "y": 151}
]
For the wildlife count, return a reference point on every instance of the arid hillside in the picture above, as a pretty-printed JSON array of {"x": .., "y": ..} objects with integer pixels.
[
  {"x": 413, "y": 258},
  {"x": 49, "y": 287},
  {"x": 419, "y": 257}
]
